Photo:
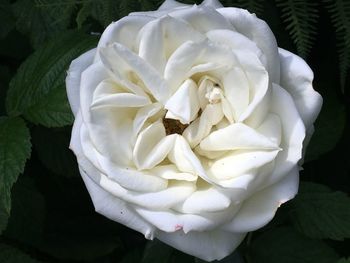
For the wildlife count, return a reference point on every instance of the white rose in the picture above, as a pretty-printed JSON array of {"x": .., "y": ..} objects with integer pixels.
[{"x": 189, "y": 124}]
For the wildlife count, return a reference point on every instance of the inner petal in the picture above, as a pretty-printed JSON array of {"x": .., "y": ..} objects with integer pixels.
[
  {"x": 184, "y": 104},
  {"x": 236, "y": 136}
]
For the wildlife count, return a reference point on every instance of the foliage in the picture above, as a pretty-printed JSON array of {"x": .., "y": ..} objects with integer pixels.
[
  {"x": 319, "y": 212},
  {"x": 282, "y": 244},
  {"x": 300, "y": 17},
  {"x": 15, "y": 150},
  {"x": 44, "y": 100},
  {"x": 45, "y": 212},
  {"x": 340, "y": 15}
]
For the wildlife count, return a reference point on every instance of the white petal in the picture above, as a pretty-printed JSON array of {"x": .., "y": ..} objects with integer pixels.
[
  {"x": 105, "y": 203},
  {"x": 144, "y": 114},
  {"x": 236, "y": 41},
  {"x": 184, "y": 103},
  {"x": 293, "y": 133},
  {"x": 201, "y": 126},
  {"x": 126, "y": 177},
  {"x": 170, "y": 172},
  {"x": 296, "y": 78},
  {"x": 185, "y": 160},
  {"x": 73, "y": 78},
  {"x": 160, "y": 38},
  {"x": 206, "y": 200},
  {"x": 238, "y": 163},
  {"x": 261, "y": 207},
  {"x": 184, "y": 62},
  {"x": 90, "y": 79},
  {"x": 180, "y": 62},
  {"x": 171, "y": 4},
  {"x": 122, "y": 61},
  {"x": 212, "y": 3},
  {"x": 121, "y": 100},
  {"x": 272, "y": 128},
  {"x": 236, "y": 136},
  {"x": 203, "y": 18},
  {"x": 236, "y": 88},
  {"x": 258, "y": 78},
  {"x": 116, "y": 209},
  {"x": 260, "y": 33},
  {"x": 209, "y": 245},
  {"x": 172, "y": 221},
  {"x": 175, "y": 193},
  {"x": 123, "y": 31},
  {"x": 239, "y": 182},
  {"x": 152, "y": 146},
  {"x": 111, "y": 132}
]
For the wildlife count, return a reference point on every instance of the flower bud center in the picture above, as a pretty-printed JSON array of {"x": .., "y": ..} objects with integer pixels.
[
  {"x": 214, "y": 95},
  {"x": 173, "y": 126}
]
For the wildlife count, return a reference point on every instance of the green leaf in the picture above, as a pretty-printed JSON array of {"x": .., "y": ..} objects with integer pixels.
[
  {"x": 340, "y": 16},
  {"x": 127, "y": 6},
  {"x": 300, "y": 17},
  {"x": 14, "y": 151},
  {"x": 83, "y": 14},
  {"x": 234, "y": 257},
  {"x": 38, "y": 89},
  {"x": 319, "y": 212},
  {"x": 134, "y": 256},
  {"x": 7, "y": 18},
  {"x": 42, "y": 19},
  {"x": 329, "y": 125},
  {"x": 5, "y": 76},
  {"x": 287, "y": 246},
  {"x": 103, "y": 11},
  {"x": 344, "y": 260},
  {"x": 253, "y": 6},
  {"x": 149, "y": 5},
  {"x": 52, "y": 147},
  {"x": 156, "y": 251},
  {"x": 10, "y": 254}
]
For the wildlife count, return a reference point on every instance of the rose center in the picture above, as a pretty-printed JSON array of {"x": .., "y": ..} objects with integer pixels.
[
  {"x": 214, "y": 95},
  {"x": 173, "y": 126}
]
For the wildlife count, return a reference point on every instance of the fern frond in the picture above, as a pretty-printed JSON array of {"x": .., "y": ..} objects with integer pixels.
[
  {"x": 147, "y": 5},
  {"x": 253, "y": 6},
  {"x": 105, "y": 11},
  {"x": 340, "y": 15},
  {"x": 127, "y": 6},
  {"x": 41, "y": 19},
  {"x": 300, "y": 17}
]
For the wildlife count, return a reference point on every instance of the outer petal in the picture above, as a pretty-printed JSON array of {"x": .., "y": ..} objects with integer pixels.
[
  {"x": 260, "y": 208},
  {"x": 209, "y": 245},
  {"x": 160, "y": 38},
  {"x": 171, "y": 4},
  {"x": 122, "y": 61},
  {"x": 296, "y": 78},
  {"x": 172, "y": 220},
  {"x": 212, "y": 3},
  {"x": 293, "y": 134},
  {"x": 105, "y": 203},
  {"x": 123, "y": 32},
  {"x": 203, "y": 18},
  {"x": 77, "y": 66},
  {"x": 116, "y": 209},
  {"x": 259, "y": 32}
]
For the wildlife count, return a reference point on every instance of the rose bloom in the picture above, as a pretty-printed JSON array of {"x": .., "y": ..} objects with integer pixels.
[{"x": 190, "y": 124}]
